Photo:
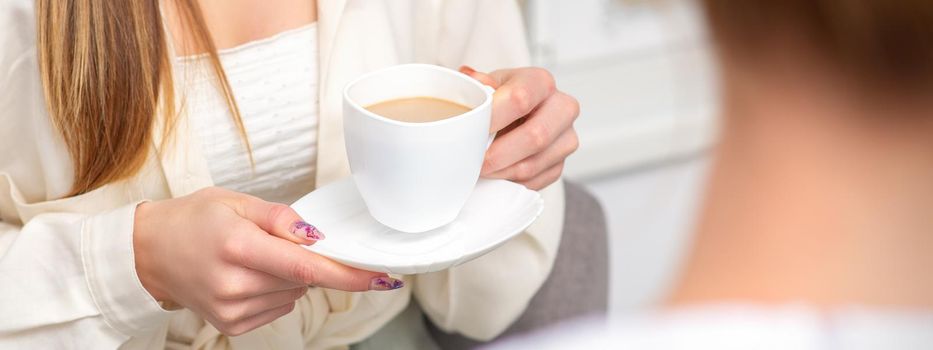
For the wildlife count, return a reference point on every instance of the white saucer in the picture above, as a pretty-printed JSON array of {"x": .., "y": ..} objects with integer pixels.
[{"x": 496, "y": 211}]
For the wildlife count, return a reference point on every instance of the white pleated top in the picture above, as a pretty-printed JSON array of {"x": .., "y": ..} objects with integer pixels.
[{"x": 275, "y": 84}]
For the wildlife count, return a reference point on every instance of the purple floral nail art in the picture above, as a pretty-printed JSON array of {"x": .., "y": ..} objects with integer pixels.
[
  {"x": 307, "y": 231},
  {"x": 385, "y": 283}
]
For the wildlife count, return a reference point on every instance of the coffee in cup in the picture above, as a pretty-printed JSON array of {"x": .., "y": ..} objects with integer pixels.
[
  {"x": 416, "y": 136},
  {"x": 418, "y": 109}
]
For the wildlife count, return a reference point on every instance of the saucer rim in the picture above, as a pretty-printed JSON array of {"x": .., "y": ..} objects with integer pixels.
[{"x": 536, "y": 204}]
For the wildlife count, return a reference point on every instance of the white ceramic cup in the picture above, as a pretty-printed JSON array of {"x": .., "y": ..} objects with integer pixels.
[{"x": 415, "y": 177}]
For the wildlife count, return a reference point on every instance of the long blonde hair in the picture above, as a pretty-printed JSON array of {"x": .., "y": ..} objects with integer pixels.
[{"x": 106, "y": 73}]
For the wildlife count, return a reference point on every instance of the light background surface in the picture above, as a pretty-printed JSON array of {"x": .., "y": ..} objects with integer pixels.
[{"x": 643, "y": 74}]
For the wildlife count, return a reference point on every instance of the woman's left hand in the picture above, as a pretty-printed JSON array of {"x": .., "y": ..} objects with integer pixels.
[{"x": 534, "y": 122}]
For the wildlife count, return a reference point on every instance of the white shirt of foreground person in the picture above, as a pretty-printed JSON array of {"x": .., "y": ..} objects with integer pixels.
[
  {"x": 739, "y": 327},
  {"x": 67, "y": 275}
]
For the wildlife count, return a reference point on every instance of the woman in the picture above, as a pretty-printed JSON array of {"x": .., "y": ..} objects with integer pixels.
[{"x": 145, "y": 145}]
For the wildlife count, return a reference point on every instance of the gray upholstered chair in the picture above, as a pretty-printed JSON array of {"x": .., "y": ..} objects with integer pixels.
[{"x": 578, "y": 286}]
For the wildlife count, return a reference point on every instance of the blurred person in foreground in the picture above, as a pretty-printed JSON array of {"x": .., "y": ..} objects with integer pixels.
[{"x": 817, "y": 226}]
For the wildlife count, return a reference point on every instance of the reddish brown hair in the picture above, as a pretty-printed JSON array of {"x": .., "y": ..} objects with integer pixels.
[{"x": 880, "y": 41}]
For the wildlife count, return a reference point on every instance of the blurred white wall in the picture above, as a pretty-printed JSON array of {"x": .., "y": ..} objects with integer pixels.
[
  {"x": 641, "y": 70},
  {"x": 643, "y": 74}
]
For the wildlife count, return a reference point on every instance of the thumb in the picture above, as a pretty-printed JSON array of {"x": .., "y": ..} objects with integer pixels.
[{"x": 278, "y": 220}]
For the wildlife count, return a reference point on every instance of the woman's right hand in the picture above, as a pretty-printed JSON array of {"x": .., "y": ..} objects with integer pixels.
[{"x": 234, "y": 259}]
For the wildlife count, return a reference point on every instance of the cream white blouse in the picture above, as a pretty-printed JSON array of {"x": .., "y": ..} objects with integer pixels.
[
  {"x": 67, "y": 274},
  {"x": 275, "y": 84}
]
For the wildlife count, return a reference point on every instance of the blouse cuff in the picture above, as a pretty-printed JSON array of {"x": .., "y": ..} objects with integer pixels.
[{"x": 110, "y": 266}]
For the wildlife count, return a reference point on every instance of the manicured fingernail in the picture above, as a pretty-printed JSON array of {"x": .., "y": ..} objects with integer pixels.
[
  {"x": 307, "y": 231},
  {"x": 385, "y": 283},
  {"x": 467, "y": 70}
]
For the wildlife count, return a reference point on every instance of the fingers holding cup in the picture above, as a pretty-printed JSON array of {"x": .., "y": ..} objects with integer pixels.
[
  {"x": 530, "y": 171},
  {"x": 537, "y": 133}
]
